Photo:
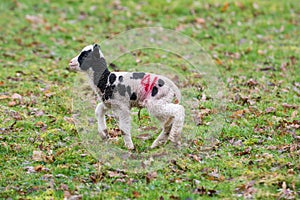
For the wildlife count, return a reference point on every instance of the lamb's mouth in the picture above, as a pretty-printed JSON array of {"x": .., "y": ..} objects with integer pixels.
[{"x": 73, "y": 66}]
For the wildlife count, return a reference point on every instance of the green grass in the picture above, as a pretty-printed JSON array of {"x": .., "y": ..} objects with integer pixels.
[{"x": 257, "y": 153}]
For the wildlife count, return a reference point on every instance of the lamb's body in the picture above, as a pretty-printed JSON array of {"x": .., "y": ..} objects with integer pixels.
[{"x": 120, "y": 91}]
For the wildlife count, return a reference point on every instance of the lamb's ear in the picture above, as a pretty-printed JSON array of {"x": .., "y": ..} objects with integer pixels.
[
  {"x": 96, "y": 51},
  {"x": 96, "y": 46}
]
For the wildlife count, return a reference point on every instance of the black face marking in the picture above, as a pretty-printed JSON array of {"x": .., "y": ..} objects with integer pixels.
[
  {"x": 154, "y": 91},
  {"x": 112, "y": 78},
  {"x": 160, "y": 82},
  {"x": 121, "y": 89},
  {"x": 101, "y": 82},
  {"x": 82, "y": 57},
  {"x": 121, "y": 78},
  {"x": 133, "y": 96},
  {"x": 100, "y": 64},
  {"x": 128, "y": 89},
  {"x": 137, "y": 75}
]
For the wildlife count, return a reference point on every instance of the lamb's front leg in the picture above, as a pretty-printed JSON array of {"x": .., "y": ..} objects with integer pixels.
[
  {"x": 100, "y": 115},
  {"x": 123, "y": 115}
]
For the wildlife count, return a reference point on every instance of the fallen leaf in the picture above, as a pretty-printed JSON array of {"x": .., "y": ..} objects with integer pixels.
[
  {"x": 225, "y": 7},
  {"x": 136, "y": 194},
  {"x": 238, "y": 114},
  {"x": 118, "y": 174},
  {"x": 251, "y": 82},
  {"x": 35, "y": 19},
  {"x": 270, "y": 110},
  {"x": 200, "y": 21},
  {"x": 218, "y": 61},
  {"x": 40, "y": 124},
  {"x": 245, "y": 152},
  {"x": 247, "y": 190},
  {"x": 144, "y": 136},
  {"x": 203, "y": 191},
  {"x": 12, "y": 103},
  {"x": 150, "y": 176},
  {"x": 37, "y": 156},
  {"x": 289, "y": 106},
  {"x": 39, "y": 113},
  {"x": 294, "y": 114},
  {"x": 3, "y": 97},
  {"x": 67, "y": 194},
  {"x": 16, "y": 96},
  {"x": 38, "y": 168},
  {"x": 293, "y": 60}
]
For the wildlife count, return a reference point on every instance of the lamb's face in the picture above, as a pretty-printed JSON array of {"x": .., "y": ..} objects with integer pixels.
[{"x": 88, "y": 57}]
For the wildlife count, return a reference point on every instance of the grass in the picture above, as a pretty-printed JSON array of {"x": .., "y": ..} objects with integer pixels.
[{"x": 255, "y": 46}]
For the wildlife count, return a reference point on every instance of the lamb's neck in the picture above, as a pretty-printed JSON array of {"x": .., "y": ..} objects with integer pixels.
[{"x": 98, "y": 79}]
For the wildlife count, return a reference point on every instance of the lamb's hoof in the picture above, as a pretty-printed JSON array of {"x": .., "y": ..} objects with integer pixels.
[
  {"x": 158, "y": 142},
  {"x": 129, "y": 146},
  {"x": 153, "y": 146},
  {"x": 103, "y": 134}
]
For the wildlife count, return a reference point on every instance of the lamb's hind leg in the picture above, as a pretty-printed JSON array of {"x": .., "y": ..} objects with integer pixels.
[
  {"x": 100, "y": 115},
  {"x": 173, "y": 114},
  {"x": 178, "y": 121},
  {"x": 163, "y": 137}
]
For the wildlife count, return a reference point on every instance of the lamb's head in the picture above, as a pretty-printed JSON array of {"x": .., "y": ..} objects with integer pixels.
[{"x": 90, "y": 57}]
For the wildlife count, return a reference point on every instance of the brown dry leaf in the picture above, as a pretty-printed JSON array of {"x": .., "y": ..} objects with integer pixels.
[
  {"x": 1, "y": 83},
  {"x": 293, "y": 60},
  {"x": 240, "y": 5},
  {"x": 144, "y": 136},
  {"x": 261, "y": 52},
  {"x": 270, "y": 110},
  {"x": 225, "y": 7},
  {"x": 75, "y": 197},
  {"x": 35, "y": 19},
  {"x": 218, "y": 61},
  {"x": 150, "y": 176},
  {"x": 39, "y": 113},
  {"x": 238, "y": 114},
  {"x": 245, "y": 152},
  {"x": 251, "y": 82},
  {"x": 115, "y": 132},
  {"x": 175, "y": 197},
  {"x": 38, "y": 168},
  {"x": 117, "y": 174},
  {"x": 49, "y": 159},
  {"x": 67, "y": 194},
  {"x": 136, "y": 194},
  {"x": 12, "y": 103},
  {"x": 195, "y": 157},
  {"x": 294, "y": 114},
  {"x": 289, "y": 106},
  {"x": 69, "y": 120},
  {"x": 48, "y": 94},
  {"x": 3, "y": 97},
  {"x": 40, "y": 124},
  {"x": 17, "y": 96},
  {"x": 247, "y": 190},
  {"x": 200, "y": 21},
  {"x": 203, "y": 191},
  {"x": 63, "y": 187},
  {"x": 37, "y": 156}
]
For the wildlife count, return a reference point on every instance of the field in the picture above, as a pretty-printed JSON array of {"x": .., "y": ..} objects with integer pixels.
[{"x": 254, "y": 50}]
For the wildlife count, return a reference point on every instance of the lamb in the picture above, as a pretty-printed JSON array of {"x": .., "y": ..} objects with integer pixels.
[{"x": 120, "y": 91}]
